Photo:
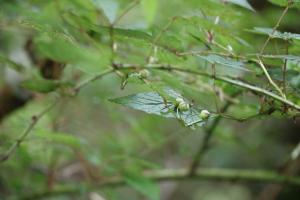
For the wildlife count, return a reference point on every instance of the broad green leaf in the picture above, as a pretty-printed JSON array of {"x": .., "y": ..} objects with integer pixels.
[
  {"x": 75, "y": 20},
  {"x": 87, "y": 59},
  {"x": 225, "y": 61},
  {"x": 142, "y": 184},
  {"x": 40, "y": 85},
  {"x": 242, "y": 3},
  {"x": 276, "y": 34},
  {"x": 162, "y": 104},
  {"x": 59, "y": 137},
  {"x": 149, "y": 8}
]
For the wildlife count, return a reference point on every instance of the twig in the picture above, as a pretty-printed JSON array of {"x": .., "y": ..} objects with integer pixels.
[
  {"x": 133, "y": 4},
  {"x": 208, "y": 133},
  {"x": 238, "y": 83},
  {"x": 92, "y": 79},
  {"x": 35, "y": 119},
  {"x": 276, "y": 26},
  {"x": 179, "y": 175},
  {"x": 159, "y": 35},
  {"x": 28, "y": 129},
  {"x": 284, "y": 68},
  {"x": 261, "y": 64}
]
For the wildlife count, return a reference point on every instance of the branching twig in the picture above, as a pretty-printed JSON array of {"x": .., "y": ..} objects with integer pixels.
[
  {"x": 131, "y": 6},
  {"x": 180, "y": 175},
  {"x": 36, "y": 118},
  {"x": 92, "y": 79},
  {"x": 166, "y": 67},
  {"x": 276, "y": 26},
  {"x": 28, "y": 129},
  {"x": 159, "y": 35}
]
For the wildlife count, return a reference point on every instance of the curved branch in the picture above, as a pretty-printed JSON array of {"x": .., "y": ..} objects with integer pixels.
[{"x": 180, "y": 175}]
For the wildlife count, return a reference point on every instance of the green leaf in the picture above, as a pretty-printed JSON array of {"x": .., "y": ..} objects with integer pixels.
[
  {"x": 225, "y": 61},
  {"x": 276, "y": 34},
  {"x": 242, "y": 3},
  {"x": 64, "y": 50},
  {"x": 149, "y": 8},
  {"x": 105, "y": 30},
  {"x": 40, "y": 85},
  {"x": 162, "y": 104},
  {"x": 142, "y": 184},
  {"x": 10, "y": 63},
  {"x": 59, "y": 137}
]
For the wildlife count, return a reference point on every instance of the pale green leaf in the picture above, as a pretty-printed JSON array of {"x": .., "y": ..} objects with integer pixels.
[
  {"x": 87, "y": 59},
  {"x": 40, "y": 85},
  {"x": 225, "y": 61},
  {"x": 161, "y": 104}
]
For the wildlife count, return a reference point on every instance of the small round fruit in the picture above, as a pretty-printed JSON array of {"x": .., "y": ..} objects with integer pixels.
[
  {"x": 179, "y": 100},
  {"x": 144, "y": 73},
  {"x": 204, "y": 114},
  {"x": 183, "y": 106}
]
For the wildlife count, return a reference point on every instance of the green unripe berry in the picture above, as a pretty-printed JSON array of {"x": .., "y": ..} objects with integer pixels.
[
  {"x": 182, "y": 105},
  {"x": 144, "y": 73},
  {"x": 204, "y": 114},
  {"x": 179, "y": 100}
]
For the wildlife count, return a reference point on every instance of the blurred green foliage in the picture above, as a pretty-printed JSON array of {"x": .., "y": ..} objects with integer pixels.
[{"x": 86, "y": 138}]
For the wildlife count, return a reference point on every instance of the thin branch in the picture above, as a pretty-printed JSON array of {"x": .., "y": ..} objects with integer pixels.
[
  {"x": 238, "y": 83},
  {"x": 179, "y": 175},
  {"x": 261, "y": 64},
  {"x": 276, "y": 26},
  {"x": 159, "y": 35},
  {"x": 285, "y": 67},
  {"x": 131, "y": 6},
  {"x": 208, "y": 133},
  {"x": 34, "y": 120},
  {"x": 92, "y": 79}
]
